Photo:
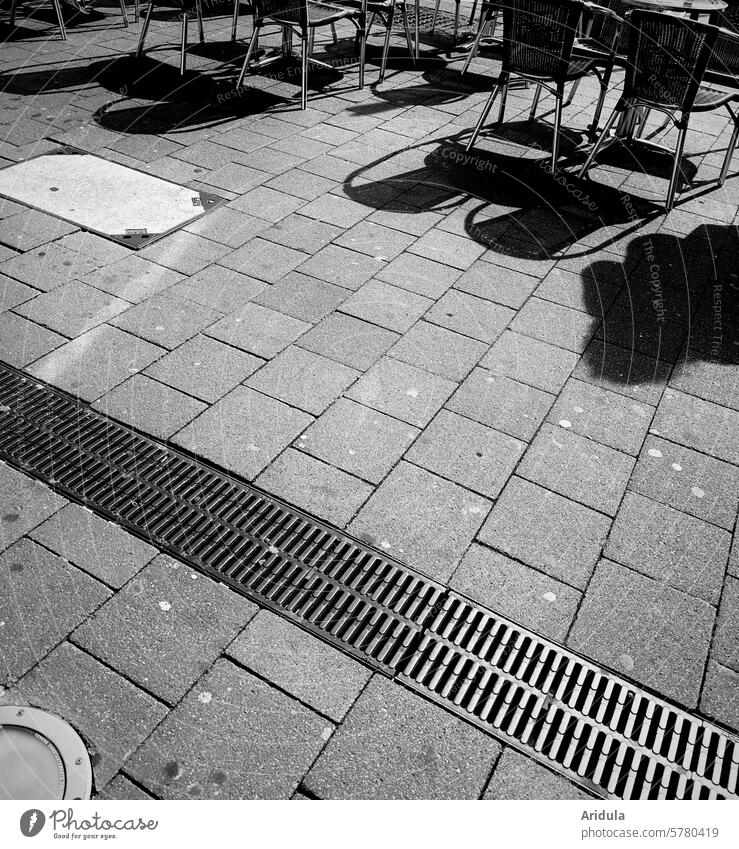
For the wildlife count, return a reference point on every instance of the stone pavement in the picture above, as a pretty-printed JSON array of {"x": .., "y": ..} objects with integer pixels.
[{"x": 440, "y": 353}]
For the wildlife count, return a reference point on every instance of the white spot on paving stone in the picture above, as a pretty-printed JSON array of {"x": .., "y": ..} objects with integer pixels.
[
  {"x": 414, "y": 393},
  {"x": 578, "y": 410},
  {"x": 550, "y": 597},
  {"x": 677, "y": 467},
  {"x": 385, "y": 544},
  {"x": 194, "y": 576},
  {"x": 205, "y": 698},
  {"x": 303, "y": 436},
  {"x": 698, "y": 492},
  {"x": 165, "y": 606},
  {"x": 252, "y": 447},
  {"x": 565, "y": 423},
  {"x": 626, "y": 661},
  {"x": 327, "y": 732},
  {"x": 654, "y": 452},
  {"x": 159, "y": 327}
]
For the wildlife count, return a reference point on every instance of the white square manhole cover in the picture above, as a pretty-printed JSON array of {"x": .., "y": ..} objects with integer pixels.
[{"x": 106, "y": 198}]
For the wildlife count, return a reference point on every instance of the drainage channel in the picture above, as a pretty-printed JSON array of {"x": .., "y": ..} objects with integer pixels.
[{"x": 606, "y": 734}]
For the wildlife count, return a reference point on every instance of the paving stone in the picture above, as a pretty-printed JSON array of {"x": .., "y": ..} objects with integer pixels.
[
  {"x": 422, "y": 519},
  {"x": 698, "y": 424},
  {"x": 530, "y": 361},
  {"x": 264, "y": 260},
  {"x": 718, "y": 699},
  {"x": 132, "y": 278},
  {"x": 395, "y": 745},
  {"x": 558, "y": 325},
  {"x": 386, "y": 305},
  {"x": 577, "y": 468},
  {"x": 524, "y": 595},
  {"x": 205, "y": 368},
  {"x": 688, "y": 481},
  {"x": 300, "y": 664},
  {"x": 645, "y": 630},
  {"x": 375, "y": 240},
  {"x": 335, "y": 210},
  {"x": 712, "y": 380},
  {"x": 358, "y": 440},
  {"x": 734, "y": 558},
  {"x": 101, "y": 548},
  {"x": 164, "y": 629},
  {"x": 149, "y": 406},
  {"x": 579, "y": 292},
  {"x": 419, "y": 275},
  {"x": 29, "y": 229},
  {"x": 457, "y": 251},
  {"x": 303, "y": 297},
  {"x": 494, "y": 283},
  {"x": 88, "y": 695},
  {"x": 272, "y": 205},
  {"x": 235, "y": 177},
  {"x": 257, "y": 329},
  {"x": 620, "y": 370},
  {"x": 13, "y": 293},
  {"x": 42, "y": 600},
  {"x": 471, "y": 316},
  {"x": 260, "y": 742},
  {"x": 166, "y": 320},
  {"x": 95, "y": 362},
  {"x": 275, "y": 161},
  {"x": 49, "y": 266},
  {"x": 227, "y": 226},
  {"x": 438, "y": 350},
  {"x": 403, "y": 391},
  {"x": 222, "y": 289},
  {"x": 24, "y": 503},
  {"x": 301, "y": 184},
  {"x": 646, "y": 333},
  {"x": 23, "y": 341},
  {"x": 342, "y": 266},
  {"x": 243, "y": 139},
  {"x": 545, "y": 530},
  {"x": 670, "y": 546},
  {"x": 185, "y": 252},
  {"x": 518, "y": 777},
  {"x": 501, "y": 403},
  {"x": 725, "y": 649},
  {"x": 244, "y": 431},
  {"x": 120, "y": 788},
  {"x": 302, "y": 233},
  {"x": 348, "y": 340},
  {"x": 72, "y": 308}
]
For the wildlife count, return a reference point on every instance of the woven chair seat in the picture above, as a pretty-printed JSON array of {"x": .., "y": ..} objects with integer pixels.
[
  {"x": 318, "y": 15},
  {"x": 709, "y": 98}
]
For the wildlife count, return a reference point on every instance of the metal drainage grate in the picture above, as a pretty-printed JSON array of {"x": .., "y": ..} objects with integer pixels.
[{"x": 611, "y": 737}]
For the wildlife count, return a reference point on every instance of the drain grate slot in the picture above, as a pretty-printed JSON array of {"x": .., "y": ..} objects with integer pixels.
[{"x": 603, "y": 732}]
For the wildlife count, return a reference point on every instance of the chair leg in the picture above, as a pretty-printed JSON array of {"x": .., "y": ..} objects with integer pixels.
[
  {"x": 472, "y": 14},
  {"x": 407, "y": 29},
  {"x": 559, "y": 97},
  {"x": 124, "y": 13},
  {"x": 573, "y": 91},
  {"x": 235, "y": 19},
  {"x": 729, "y": 152},
  {"x": 362, "y": 49},
  {"x": 503, "y": 99},
  {"x": 593, "y": 129},
  {"x": 436, "y": 12},
  {"x": 311, "y": 40},
  {"x": 676, "y": 167},
  {"x": 252, "y": 44},
  {"x": 456, "y": 22},
  {"x": 13, "y": 4},
  {"x": 386, "y": 46},
  {"x": 144, "y": 29},
  {"x": 199, "y": 10},
  {"x": 136, "y": 12},
  {"x": 643, "y": 118},
  {"x": 183, "y": 43},
  {"x": 304, "y": 71},
  {"x": 597, "y": 146},
  {"x": 483, "y": 117},
  {"x": 59, "y": 17},
  {"x": 475, "y": 44},
  {"x": 535, "y": 103},
  {"x": 333, "y": 34}
]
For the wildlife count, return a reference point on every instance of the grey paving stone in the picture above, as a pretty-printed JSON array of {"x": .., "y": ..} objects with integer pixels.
[
  {"x": 419, "y": 275},
  {"x": 670, "y": 546},
  {"x": 470, "y": 454},
  {"x": 244, "y": 431},
  {"x": 301, "y": 184},
  {"x": 422, "y": 519},
  {"x": 407, "y": 219},
  {"x": 164, "y": 629},
  {"x": 603, "y": 416},
  {"x": 438, "y": 350},
  {"x": 734, "y": 558},
  {"x": 24, "y": 503},
  {"x": 387, "y": 306},
  {"x": 646, "y": 630},
  {"x": 501, "y": 403},
  {"x": 646, "y": 332},
  {"x": 530, "y": 361},
  {"x": 620, "y": 370},
  {"x": 95, "y": 362},
  {"x": 577, "y": 468},
  {"x": 712, "y": 380},
  {"x": 166, "y": 320},
  {"x": 13, "y": 293},
  {"x": 23, "y": 341},
  {"x": 457, "y": 251},
  {"x": 271, "y": 205},
  {"x": 348, "y": 340},
  {"x": 517, "y": 592},
  {"x": 29, "y": 229},
  {"x": 42, "y": 600},
  {"x": 335, "y": 210},
  {"x": 301, "y": 664},
  {"x": 718, "y": 699},
  {"x": 120, "y": 788},
  {"x": 205, "y": 368},
  {"x": 403, "y": 391},
  {"x": 518, "y": 777},
  {"x": 303, "y": 379},
  {"x": 342, "y": 266},
  {"x": 101, "y": 548},
  {"x": 302, "y": 233},
  {"x": 545, "y": 530},
  {"x": 264, "y": 260},
  {"x": 257, "y": 329},
  {"x": 579, "y": 292},
  {"x": 315, "y": 487},
  {"x": 235, "y": 177},
  {"x": 49, "y": 266},
  {"x": 558, "y": 325},
  {"x": 375, "y": 240},
  {"x": 88, "y": 695},
  {"x": 132, "y": 278},
  {"x": 358, "y": 440},
  {"x": 185, "y": 252},
  {"x": 470, "y": 316},
  {"x": 494, "y": 283},
  {"x": 227, "y": 226},
  {"x": 303, "y": 297},
  {"x": 725, "y": 649},
  {"x": 222, "y": 289},
  {"x": 688, "y": 481},
  {"x": 395, "y": 745},
  {"x": 260, "y": 742},
  {"x": 73, "y": 308},
  {"x": 149, "y": 406},
  {"x": 698, "y": 424}
]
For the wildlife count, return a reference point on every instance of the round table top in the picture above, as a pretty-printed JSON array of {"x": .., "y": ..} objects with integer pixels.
[{"x": 704, "y": 6}]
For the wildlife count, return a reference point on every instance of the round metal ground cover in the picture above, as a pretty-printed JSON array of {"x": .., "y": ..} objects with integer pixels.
[{"x": 41, "y": 757}]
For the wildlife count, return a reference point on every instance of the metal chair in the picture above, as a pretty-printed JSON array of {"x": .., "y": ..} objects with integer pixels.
[
  {"x": 60, "y": 16},
  {"x": 489, "y": 12},
  {"x": 302, "y": 18},
  {"x": 185, "y": 17},
  {"x": 667, "y": 61},
  {"x": 538, "y": 41}
]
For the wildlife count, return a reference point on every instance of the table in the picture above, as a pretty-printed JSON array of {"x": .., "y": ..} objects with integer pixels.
[{"x": 695, "y": 8}]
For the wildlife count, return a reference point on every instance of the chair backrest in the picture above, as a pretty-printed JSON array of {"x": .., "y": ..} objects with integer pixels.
[
  {"x": 604, "y": 28},
  {"x": 725, "y": 56},
  {"x": 538, "y": 36},
  {"x": 667, "y": 58},
  {"x": 294, "y": 11}
]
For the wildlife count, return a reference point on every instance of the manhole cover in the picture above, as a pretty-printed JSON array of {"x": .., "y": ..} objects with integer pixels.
[{"x": 41, "y": 757}]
